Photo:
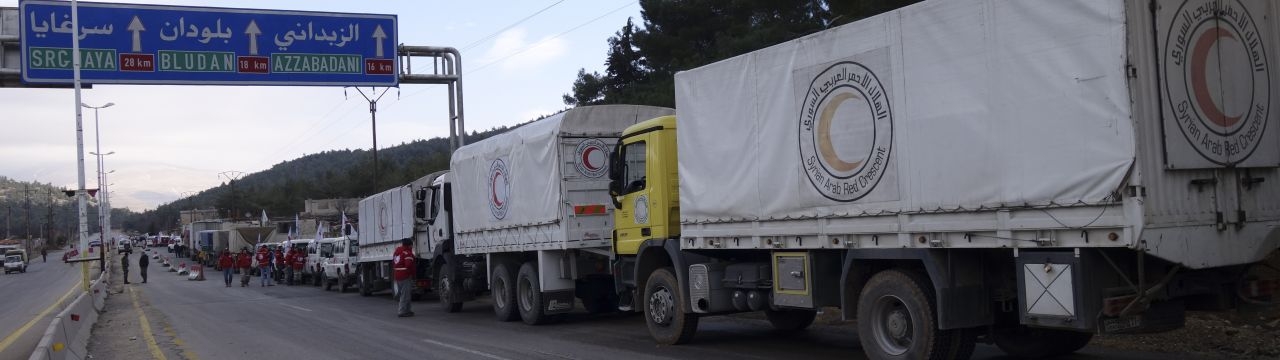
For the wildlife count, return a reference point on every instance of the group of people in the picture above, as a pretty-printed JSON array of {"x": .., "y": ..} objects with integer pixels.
[
  {"x": 271, "y": 264},
  {"x": 143, "y": 262}
]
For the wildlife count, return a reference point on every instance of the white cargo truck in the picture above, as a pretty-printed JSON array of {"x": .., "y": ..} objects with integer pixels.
[
  {"x": 391, "y": 216},
  {"x": 1027, "y": 173},
  {"x": 531, "y": 215}
]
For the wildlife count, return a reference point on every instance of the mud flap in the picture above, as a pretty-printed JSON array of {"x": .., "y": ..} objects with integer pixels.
[
  {"x": 1160, "y": 317},
  {"x": 558, "y": 302}
]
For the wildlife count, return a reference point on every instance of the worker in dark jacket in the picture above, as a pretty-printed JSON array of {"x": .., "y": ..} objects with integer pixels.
[
  {"x": 124, "y": 266},
  {"x": 142, "y": 267}
]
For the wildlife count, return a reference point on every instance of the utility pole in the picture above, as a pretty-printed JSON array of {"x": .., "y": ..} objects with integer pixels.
[
  {"x": 232, "y": 176},
  {"x": 373, "y": 117},
  {"x": 26, "y": 244},
  {"x": 48, "y": 222}
]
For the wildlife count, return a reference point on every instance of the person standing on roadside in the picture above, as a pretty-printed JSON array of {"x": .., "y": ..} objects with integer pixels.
[
  {"x": 124, "y": 266},
  {"x": 244, "y": 261},
  {"x": 227, "y": 264},
  {"x": 264, "y": 266},
  {"x": 288, "y": 266},
  {"x": 299, "y": 263},
  {"x": 402, "y": 261},
  {"x": 278, "y": 263},
  {"x": 44, "y": 254},
  {"x": 142, "y": 267}
]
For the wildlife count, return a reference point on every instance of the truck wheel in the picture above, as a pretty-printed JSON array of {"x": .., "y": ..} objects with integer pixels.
[
  {"x": 328, "y": 285},
  {"x": 343, "y": 284},
  {"x": 529, "y": 296},
  {"x": 1035, "y": 343},
  {"x": 896, "y": 319},
  {"x": 316, "y": 278},
  {"x": 446, "y": 289},
  {"x": 366, "y": 288},
  {"x": 504, "y": 294},
  {"x": 665, "y": 314},
  {"x": 789, "y": 320}
]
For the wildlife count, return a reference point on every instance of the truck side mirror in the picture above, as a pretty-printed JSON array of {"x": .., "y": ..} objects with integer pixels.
[
  {"x": 420, "y": 195},
  {"x": 448, "y": 197},
  {"x": 616, "y": 169}
]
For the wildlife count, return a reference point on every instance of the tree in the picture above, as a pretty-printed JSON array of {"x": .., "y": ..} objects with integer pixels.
[{"x": 588, "y": 89}]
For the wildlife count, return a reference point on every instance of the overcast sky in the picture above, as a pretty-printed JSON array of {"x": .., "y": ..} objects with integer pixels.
[{"x": 173, "y": 139}]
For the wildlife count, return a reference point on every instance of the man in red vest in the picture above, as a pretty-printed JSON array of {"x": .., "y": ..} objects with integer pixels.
[
  {"x": 288, "y": 265},
  {"x": 264, "y": 266},
  {"x": 244, "y": 261},
  {"x": 227, "y": 264},
  {"x": 279, "y": 264},
  {"x": 402, "y": 262},
  {"x": 299, "y": 263}
]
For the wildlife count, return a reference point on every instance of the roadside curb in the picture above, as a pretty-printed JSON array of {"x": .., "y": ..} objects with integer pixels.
[{"x": 68, "y": 334}]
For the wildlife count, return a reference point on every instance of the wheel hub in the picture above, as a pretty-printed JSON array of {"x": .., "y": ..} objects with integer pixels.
[
  {"x": 661, "y": 306},
  {"x": 892, "y": 327}
]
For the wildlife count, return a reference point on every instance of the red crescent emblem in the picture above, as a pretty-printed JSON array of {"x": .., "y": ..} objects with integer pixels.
[
  {"x": 493, "y": 189},
  {"x": 586, "y": 155},
  {"x": 1199, "y": 81}
]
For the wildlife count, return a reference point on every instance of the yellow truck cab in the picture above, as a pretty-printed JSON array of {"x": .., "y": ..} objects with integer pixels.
[{"x": 645, "y": 186}]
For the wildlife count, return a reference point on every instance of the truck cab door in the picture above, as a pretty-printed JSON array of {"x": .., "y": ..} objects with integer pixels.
[
  {"x": 631, "y": 193},
  {"x": 438, "y": 218}
]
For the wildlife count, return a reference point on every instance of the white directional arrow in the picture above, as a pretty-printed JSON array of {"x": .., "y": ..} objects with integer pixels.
[
  {"x": 379, "y": 35},
  {"x": 252, "y": 32},
  {"x": 136, "y": 28}
]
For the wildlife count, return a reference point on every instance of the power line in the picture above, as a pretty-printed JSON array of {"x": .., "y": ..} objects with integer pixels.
[
  {"x": 526, "y": 18},
  {"x": 530, "y": 47},
  {"x": 537, "y": 44}
]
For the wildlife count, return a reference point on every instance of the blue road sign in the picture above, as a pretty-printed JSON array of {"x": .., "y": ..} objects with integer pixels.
[{"x": 151, "y": 44}]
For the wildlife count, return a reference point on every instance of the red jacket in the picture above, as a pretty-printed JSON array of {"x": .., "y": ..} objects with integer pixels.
[
  {"x": 244, "y": 260},
  {"x": 264, "y": 259},
  {"x": 299, "y": 260},
  {"x": 403, "y": 263},
  {"x": 225, "y": 261},
  {"x": 279, "y": 259}
]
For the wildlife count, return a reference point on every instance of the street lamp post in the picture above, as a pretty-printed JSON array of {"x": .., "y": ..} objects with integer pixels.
[{"x": 98, "y": 145}]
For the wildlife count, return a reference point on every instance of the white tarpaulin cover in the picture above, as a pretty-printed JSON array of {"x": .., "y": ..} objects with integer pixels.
[
  {"x": 513, "y": 179},
  {"x": 942, "y": 104}
]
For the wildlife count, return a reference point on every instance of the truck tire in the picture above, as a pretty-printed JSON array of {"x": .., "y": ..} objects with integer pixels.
[
  {"x": 317, "y": 277},
  {"x": 897, "y": 319},
  {"x": 504, "y": 294},
  {"x": 328, "y": 285},
  {"x": 529, "y": 296},
  {"x": 789, "y": 320},
  {"x": 1036, "y": 343},
  {"x": 447, "y": 288},
  {"x": 366, "y": 288},
  {"x": 669, "y": 322},
  {"x": 343, "y": 285}
]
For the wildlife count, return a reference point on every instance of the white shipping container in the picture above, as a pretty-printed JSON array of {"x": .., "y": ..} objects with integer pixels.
[
  {"x": 541, "y": 186},
  {"x": 992, "y": 123}
]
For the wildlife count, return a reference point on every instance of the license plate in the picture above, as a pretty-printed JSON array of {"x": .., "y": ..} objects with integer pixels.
[{"x": 1121, "y": 324}]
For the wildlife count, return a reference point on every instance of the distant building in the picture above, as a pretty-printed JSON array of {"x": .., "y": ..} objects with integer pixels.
[
  {"x": 331, "y": 208},
  {"x": 186, "y": 217}
]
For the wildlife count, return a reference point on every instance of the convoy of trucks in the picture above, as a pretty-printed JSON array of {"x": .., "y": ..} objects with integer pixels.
[
  {"x": 1026, "y": 174},
  {"x": 1023, "y": 173}
]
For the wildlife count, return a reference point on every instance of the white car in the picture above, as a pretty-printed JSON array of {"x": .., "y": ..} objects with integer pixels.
[
  {"x": 339, "y": 259},
  {"x": 14, "y": 263}
]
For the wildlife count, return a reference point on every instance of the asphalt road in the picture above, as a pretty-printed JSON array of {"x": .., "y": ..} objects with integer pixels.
[
  {"x": 203, "y": 319},
  {"x": 29, "y": 299}
]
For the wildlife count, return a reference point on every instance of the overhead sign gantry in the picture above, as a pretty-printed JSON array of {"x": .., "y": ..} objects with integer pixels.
[{"x": 156, "y": 44}]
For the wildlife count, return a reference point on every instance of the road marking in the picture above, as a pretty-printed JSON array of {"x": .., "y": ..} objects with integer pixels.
[
  {"x": 466, "y": 350},
  {"x": 297, "y": 307},
  {"x": 9, "y": 340},
  {"x": 146, "y": 327}
]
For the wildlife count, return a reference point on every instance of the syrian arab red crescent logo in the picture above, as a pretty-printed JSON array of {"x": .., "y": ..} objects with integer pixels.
[
  {"x": 1217, "y": 79},
  {"x": 499, "y": 189},
  {"x": 591, "y": 158}
]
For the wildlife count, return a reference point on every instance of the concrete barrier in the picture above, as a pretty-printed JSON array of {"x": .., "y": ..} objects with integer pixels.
[{"x": 67, "y": 336}]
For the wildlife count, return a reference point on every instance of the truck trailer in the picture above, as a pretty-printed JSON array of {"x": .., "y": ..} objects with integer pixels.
[
  {"x": 530, "y": 213},
  {"x": 1023, "y": 173},
  {"x": 391, "y": 216}
]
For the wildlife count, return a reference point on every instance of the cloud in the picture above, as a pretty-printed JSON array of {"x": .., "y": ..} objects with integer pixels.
[{"x": 517, "y": 53}]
